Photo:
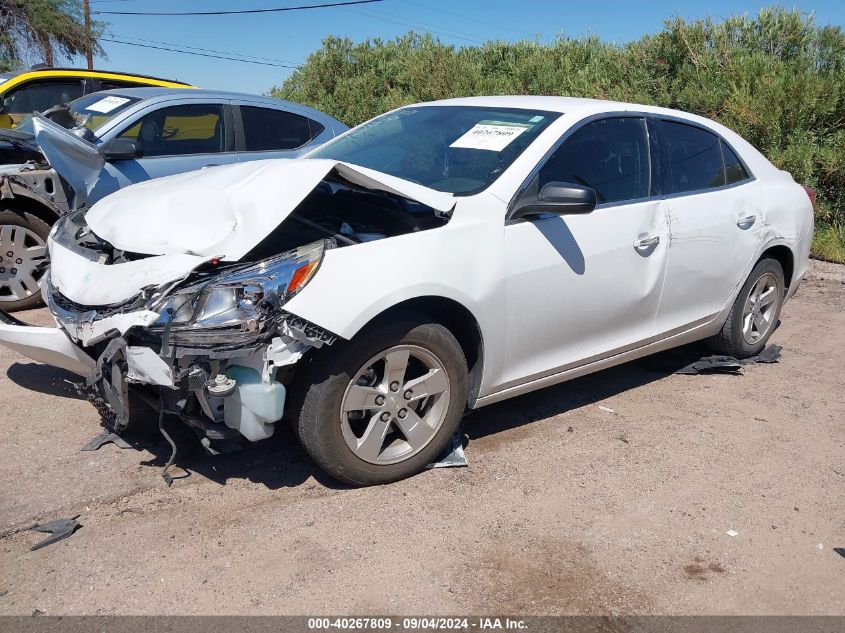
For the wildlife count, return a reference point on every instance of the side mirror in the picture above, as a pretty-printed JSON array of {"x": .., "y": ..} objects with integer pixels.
[
  {"x": 120, "y": 149},
  {"x": 560, "y": 198}
]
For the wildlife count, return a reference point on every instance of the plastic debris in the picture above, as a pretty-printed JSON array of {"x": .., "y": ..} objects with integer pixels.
[
  {"x": 729, "y": 364},
  {"x": 105, "y": 437},
  {"x": 453, "y": 456},
  {"x": 732, "y": 533},
  {"x": 820, "y": 546},
  {"x": 58, "y": 530},
  {"x": 608, "y": 409}
]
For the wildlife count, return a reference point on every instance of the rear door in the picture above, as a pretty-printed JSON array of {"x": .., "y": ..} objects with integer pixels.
[
  {"x": 173, "y": 138},
  {"x": 715, "y": 218},
  {"x": 265, "y": 132}
]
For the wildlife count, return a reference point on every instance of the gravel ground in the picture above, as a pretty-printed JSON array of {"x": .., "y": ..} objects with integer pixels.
[{"x": 566, "y": 507}]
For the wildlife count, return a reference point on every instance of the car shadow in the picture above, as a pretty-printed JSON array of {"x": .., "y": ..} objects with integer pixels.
[
  {"x": 280, "y": 462},
  {"x": 579, "y": 392},
  {"x": 45, "y": 379},
  {"x": 275, "y": 463}
]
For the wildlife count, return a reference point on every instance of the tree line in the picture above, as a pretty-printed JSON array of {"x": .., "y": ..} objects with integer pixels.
[{"x": 775, "y": 77}]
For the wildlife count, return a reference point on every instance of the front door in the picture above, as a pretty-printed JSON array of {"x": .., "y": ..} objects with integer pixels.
[{"x": 580, "y": 287}]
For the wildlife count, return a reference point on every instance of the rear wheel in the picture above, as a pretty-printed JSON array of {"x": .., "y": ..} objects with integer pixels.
[
  {"x": 23, "y": 259},
  {"x": 386, "y": 404},
  {"x": 754, "y": 315}
]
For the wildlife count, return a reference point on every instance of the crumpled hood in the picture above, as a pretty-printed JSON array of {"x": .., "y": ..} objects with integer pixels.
[
  {"x": 188, "y": 219},
  {"x": 225, "y": 211},
  {"x": 76, "y": 160}
]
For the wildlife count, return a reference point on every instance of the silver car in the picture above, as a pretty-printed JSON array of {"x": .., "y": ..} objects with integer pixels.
[{"x": 105, "y": 141}]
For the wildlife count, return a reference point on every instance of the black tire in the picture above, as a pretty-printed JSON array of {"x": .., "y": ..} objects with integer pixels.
[
  {"x": 318, "y": 424},
  {"x": 730, "y": 340},
  {"x": 36, "y": 225}
]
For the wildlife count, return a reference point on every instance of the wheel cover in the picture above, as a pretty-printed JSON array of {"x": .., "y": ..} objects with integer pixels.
[
  {"x": 761, "y": 308},
  {"x": 23, "y": 260},
  {"x": 395, "y": 404}
]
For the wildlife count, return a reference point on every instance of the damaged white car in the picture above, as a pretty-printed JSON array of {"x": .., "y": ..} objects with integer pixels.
[{"x": 440, "y": 257}]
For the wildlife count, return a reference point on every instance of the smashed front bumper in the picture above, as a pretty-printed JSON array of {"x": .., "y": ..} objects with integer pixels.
[{"x": 221, "y": 390}]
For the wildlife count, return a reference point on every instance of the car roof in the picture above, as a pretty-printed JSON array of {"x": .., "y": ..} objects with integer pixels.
[
  {"x": 46, "y": 70},
  {"x": 162, "y": 94},
  {"x": 567, "y": 105}
]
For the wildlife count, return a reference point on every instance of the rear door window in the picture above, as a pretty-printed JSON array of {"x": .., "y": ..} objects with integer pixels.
[
  {"x": 180, "y": 130},
  {"x": 267, "y": 129},
  {"x": 693, "y": 157},
  {"x": 610, "y": 155}
]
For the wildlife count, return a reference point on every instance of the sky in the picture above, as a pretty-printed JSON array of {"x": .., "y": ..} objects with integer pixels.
[{"x": 281, "y": 41}]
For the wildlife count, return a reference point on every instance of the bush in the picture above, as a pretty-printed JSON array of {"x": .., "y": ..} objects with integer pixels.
[{"x": 776, "y": 78}]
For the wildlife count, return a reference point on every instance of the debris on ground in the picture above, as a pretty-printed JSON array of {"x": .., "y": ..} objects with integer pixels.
[
  {"x": 58, "y": 530},
  {"x": 608, "y": 409},
  {"x": 453, "y": 456},
  {"x": 105, "y": 437},
  {"x": 729, "y": 364},
  {"x": 732, "y": 533}
]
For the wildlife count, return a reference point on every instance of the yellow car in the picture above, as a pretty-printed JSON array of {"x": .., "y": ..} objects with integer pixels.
[{"x": 42, "y": 87}]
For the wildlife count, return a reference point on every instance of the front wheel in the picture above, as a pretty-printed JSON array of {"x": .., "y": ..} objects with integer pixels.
[
  {"x": 754, "y": 315},
  {"x": 385, "y": 404}
]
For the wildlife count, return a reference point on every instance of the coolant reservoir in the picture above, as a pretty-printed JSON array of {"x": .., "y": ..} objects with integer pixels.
[{"x": 254, "y": 405}]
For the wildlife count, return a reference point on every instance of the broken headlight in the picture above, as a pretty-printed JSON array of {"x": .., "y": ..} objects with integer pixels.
[{"x": 241, "y": 295}]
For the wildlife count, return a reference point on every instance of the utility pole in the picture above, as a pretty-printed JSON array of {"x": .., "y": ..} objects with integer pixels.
[{"x": 89, "y": 55}]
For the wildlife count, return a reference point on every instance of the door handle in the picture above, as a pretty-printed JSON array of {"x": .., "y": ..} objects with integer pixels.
[
  {"x": 747, "y": 222},
  {"x": 646, "y": 243}
]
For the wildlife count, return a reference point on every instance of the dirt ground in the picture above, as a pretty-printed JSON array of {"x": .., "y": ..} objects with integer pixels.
[{"x": 565, "y": 508}]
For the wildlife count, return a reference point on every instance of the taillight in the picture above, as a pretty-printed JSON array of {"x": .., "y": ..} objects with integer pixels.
[{"x": 811, "y": 194}]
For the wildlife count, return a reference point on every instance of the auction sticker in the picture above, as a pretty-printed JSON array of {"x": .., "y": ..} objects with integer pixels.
[
  {"x": 107, "y": 104},
  {"x": 493, "y": 136}
]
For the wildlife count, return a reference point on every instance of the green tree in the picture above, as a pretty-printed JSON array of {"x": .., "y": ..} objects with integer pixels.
[{"x": 44, "y": 29}]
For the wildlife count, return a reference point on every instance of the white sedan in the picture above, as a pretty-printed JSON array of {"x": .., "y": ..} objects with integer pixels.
[{"x": 438, "y": 258}]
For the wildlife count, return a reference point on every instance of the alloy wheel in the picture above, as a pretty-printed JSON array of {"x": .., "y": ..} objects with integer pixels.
[
  {"x": 23, "y": 260},
  {"x": 761, "y": 308},
  {"x": 395, "y": 404}
]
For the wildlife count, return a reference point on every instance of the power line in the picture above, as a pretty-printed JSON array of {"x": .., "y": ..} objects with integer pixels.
[
  {"x": 466, "y": 17},
  {"x": 205, "y": 50},
  {"x": 417, "y": 25},
  {"x": 176, "y": 50},
  {"x": 241, "y": 11}
]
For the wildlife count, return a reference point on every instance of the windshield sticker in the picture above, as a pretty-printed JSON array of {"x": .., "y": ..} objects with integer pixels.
[
  {"x": 490, "y": 136},
  {"x": 107, "y": 104}
]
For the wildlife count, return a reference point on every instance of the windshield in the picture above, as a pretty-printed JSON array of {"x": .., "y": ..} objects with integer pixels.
[
  {"x": 454, "y": 149},
  {"x": 86, "y": 114}
]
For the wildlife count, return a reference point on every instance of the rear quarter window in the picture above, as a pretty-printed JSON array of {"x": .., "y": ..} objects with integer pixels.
[{"x": 267, "y": 129}]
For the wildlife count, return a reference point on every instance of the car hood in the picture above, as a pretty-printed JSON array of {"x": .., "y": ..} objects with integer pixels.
[
  {"x": 185, "y": 220},
  {"x": 225, "y": 211},
  {"x": 77, "y": 161}
]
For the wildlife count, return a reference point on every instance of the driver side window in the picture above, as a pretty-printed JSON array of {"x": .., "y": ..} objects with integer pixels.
[
  {"x": 179, "y": 131},
  {"x": 610, "y": 155}
]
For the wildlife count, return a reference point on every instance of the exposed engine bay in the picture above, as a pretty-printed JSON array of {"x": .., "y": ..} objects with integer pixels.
[{"x": 215, "y": 345}]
